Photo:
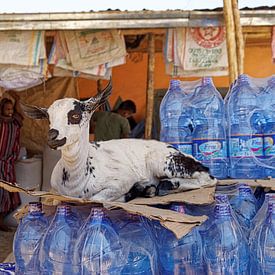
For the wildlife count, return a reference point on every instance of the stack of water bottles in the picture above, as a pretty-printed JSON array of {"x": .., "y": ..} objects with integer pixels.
[
  {"x": 237, "y": 238},
  {"x": 234, "y": 137},
  {"x": 69, "y": 242}
]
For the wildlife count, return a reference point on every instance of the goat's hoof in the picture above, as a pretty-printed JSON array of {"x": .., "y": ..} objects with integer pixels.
[
  {"x": 150, "y": 191},
  {"x": 166, "y": 186}
]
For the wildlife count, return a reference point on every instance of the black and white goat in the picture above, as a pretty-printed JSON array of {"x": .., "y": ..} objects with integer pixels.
[{"x": 116, "y": 169}]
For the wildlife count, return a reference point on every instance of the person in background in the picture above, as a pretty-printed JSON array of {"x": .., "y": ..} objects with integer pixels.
[
  {"x": 113, "y": 125},
  {"x": 11, "y": 120}
]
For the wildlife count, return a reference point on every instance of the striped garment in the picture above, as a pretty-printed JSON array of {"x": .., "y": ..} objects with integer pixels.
[{"x": 9, "y": 150}]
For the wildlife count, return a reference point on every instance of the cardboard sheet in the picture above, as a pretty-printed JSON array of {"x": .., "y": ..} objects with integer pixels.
[{"x": 179, "y": 224}]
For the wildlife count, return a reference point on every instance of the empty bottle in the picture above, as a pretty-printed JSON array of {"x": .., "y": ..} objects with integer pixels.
[
  {"x": 185, "y": 128},
  {"x": 183, "y": 256},
  {"x": 138, "y": 244},
  {"x": 245, "y": 131},
  {"x": 225, "y": 248},
  {"x": 98, "y": 249},
  {"x": 260, "y": 217},
  {"x": 27, "y": 240},
  {"x": 262, "y": 250},
  {"x": 58, "y": 243},
  {"x": 209, "y": 136},
  {"x": 170, "y": 111},
  {"x": 268, "y": 99},
  {"x": 245, "y": 207}
]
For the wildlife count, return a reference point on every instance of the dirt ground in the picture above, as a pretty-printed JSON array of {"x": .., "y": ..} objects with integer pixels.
[{"x": 6, "y": 240}]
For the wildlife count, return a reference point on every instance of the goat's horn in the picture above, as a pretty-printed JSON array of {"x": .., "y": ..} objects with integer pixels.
[{"x": 96, "y": 101}]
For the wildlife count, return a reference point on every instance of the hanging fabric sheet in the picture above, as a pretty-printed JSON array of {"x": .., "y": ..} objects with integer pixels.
[
  {"x": 89, "y": 54},
  {"x": 196, "y": 51},
  {"x": 24, "y": 48},
  {"x": 23, "y": 60}
]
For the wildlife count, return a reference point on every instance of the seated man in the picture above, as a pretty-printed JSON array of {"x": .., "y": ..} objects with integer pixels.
[{"x": 112, "y": 125}]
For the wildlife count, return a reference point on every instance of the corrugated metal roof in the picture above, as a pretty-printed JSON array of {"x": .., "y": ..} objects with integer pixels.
[{"x": 115, "y": 19}]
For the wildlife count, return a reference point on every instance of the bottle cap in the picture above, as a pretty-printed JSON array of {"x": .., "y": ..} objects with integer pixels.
[
  {"x": 221, "y": 198},
  {"x": 245, "y": 191},
  {"x": 35, "y": 207},
  {"x": 269, "y": 196},
  {"x": 174, "y": 84},
  {"x": 97, "y": 212},
  {"x": 271, "y": 207},
  {"x": 64, "y": 209},
  {"x": 243, "y": 78},
  {"x": 222, "y": 210},
  {"x": 271, "y": 81},
  {"x": 206, "y": 81}
]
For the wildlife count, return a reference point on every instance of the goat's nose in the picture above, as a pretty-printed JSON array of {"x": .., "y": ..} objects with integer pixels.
[{"x": 52, "y": 134}]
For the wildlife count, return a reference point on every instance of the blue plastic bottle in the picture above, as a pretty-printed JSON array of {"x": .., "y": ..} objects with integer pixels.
[
  {"x": 137, "y": 242},
  {"x": 263, "y": 256},
  {"x": 209, "y": 136},
  {"x": 185, "y": 128},
  {"x": 27, "y": 240},
  {"x": 183, "y": 256},
  {"x": 269, "y": 127},
  {"x": 245, "y": 207},
  {"x": 245, "y": 131},
  {"x": 98, "y": 249},
  {"x": 57, "y": 248},
  {"x": 225, "y": 248},
  {"x": 170, "y": 110},
  {"x": 260, "y": 217}
]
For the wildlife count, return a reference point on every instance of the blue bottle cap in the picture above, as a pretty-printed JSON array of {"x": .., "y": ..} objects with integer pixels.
[
  {"x": 271, "y": 81},
  {"x": 243, "y": 78},
  {"x": 97, "y": 212},
  {"x": 269, "y": 196},
  {"x": 222, "y": 210},
  {"x": 271, "y": 207},
  {"x": 221, "y": 198},
  {"x": 174, "y": 84},
  {"x": 245, "y": 191},
  {"x": 64, "y": 209},
  {"x": 35, "y": 207},
  {"x": 206, "y": 81}
]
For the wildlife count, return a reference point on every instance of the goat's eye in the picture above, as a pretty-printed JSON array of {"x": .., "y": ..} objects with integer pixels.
[{"x": 74, "y": 117}]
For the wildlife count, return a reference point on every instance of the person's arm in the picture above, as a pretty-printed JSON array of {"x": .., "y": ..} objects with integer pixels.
[
  {"x": 125, "y": 129},
  {"x": 17, "y": 106}
]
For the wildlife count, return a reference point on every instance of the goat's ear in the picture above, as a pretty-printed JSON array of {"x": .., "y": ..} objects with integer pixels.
[
  {"x": 94, "y": 102},
  {"x": 34, "y": 111}
]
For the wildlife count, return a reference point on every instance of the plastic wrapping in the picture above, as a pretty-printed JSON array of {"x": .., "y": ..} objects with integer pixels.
[
  {"x": 249, "y": 108},
  {"x": 193, "y": 120}
]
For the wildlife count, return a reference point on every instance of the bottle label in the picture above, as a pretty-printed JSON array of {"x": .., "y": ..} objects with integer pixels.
[
  {"x": 269, "y": 146},
  {"x": 205, "y": 149},
  {"x": 185, "y": 148},
  {"x": 246, "y": 146}
]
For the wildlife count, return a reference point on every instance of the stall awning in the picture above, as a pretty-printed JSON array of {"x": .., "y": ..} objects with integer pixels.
[{"x": 128, "y": 19}]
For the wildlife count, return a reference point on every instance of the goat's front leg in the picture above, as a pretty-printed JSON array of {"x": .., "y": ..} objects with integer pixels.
[{"x": 109, "y": 194}]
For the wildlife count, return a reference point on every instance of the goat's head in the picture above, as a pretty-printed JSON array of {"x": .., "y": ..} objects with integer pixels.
[{"x": 68, "y": 117}]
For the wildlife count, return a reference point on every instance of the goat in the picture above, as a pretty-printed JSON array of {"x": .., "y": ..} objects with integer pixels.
[{"x": 117, "y": 169}]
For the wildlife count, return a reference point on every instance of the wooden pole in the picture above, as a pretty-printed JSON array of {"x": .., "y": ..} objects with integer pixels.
[
  {"x": 150, "y": 87},
  {"x": 230, "y": 40},
  {"x": 239, "y": 37},
  {"x": 99, "y": 85}
]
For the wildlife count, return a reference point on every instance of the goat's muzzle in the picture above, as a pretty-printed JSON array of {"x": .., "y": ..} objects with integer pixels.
[{"x": 52, "y": 141}]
